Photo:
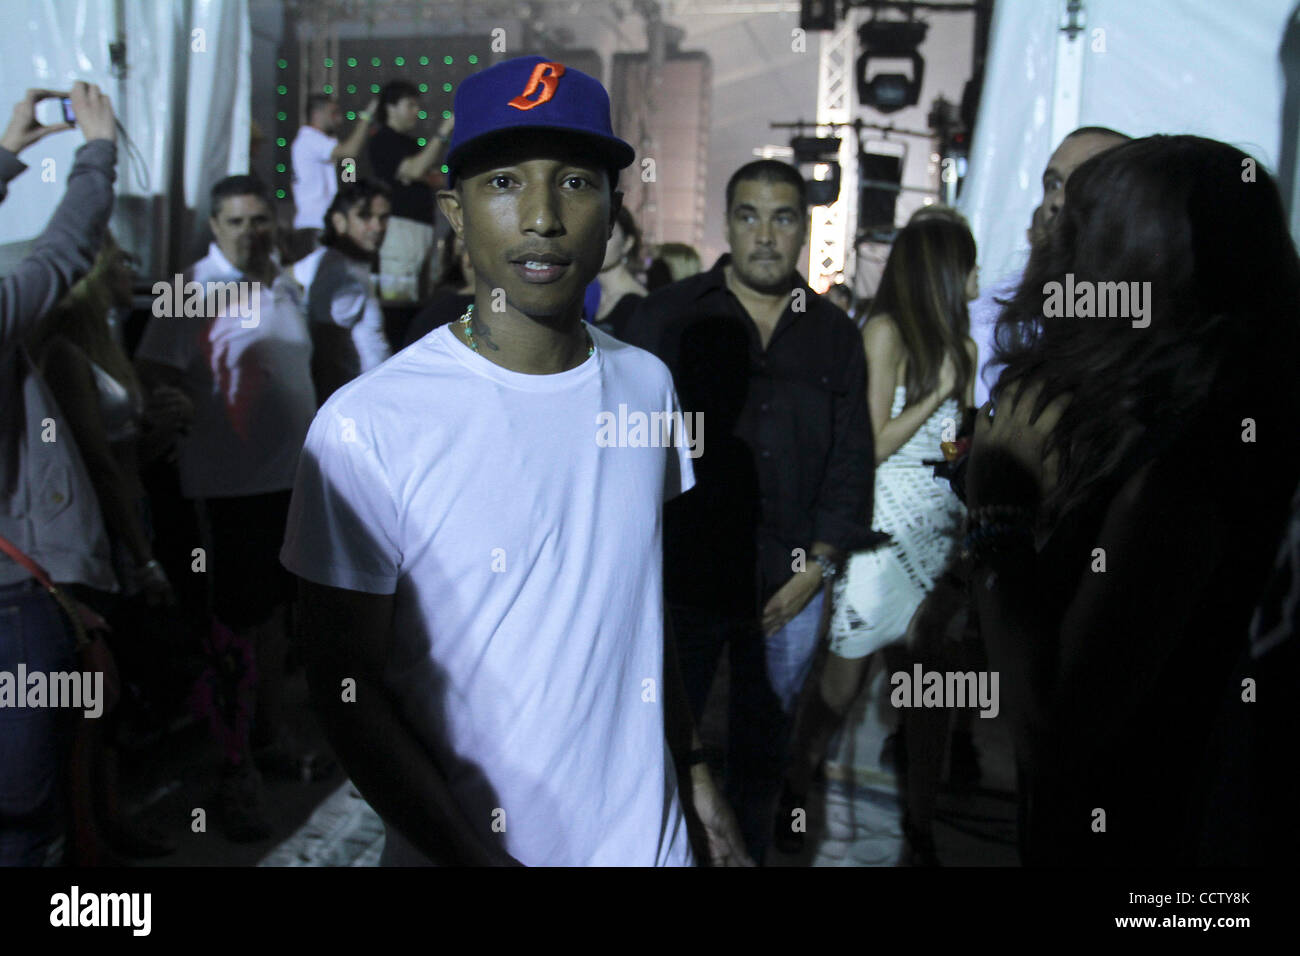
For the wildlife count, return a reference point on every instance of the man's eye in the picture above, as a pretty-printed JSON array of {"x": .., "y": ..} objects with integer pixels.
[
  {"x": 500, "y": 181},
  {"x": 582, "y": 181}
]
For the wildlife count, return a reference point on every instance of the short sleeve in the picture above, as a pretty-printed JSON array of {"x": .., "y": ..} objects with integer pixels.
[
  {"x": 342, "y": 528},
  {"x": 170, "y": 341},
  {"x": 679, "y": 474},
  {"x": 347, "y": 303}
]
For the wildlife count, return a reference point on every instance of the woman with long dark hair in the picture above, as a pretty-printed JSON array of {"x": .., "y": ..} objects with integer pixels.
[
  {"x": 921, "y": 373},
  {"x": 1127, "y": 486}
]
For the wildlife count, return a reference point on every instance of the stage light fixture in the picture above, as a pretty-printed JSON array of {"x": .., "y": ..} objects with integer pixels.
[
  {"x": 817, "y": 14},
  {"x": 821, "y": 153},
  {"x": 890, "y": 40}
]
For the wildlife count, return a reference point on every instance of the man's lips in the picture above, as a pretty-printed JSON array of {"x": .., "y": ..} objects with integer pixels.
[{"x": 539, "y": 271}]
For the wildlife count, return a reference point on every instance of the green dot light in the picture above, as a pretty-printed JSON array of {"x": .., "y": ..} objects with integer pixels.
[
  {"x": 473, "y": 59},
  {"x": 422, "y": 114},
  {"x": 282, "y": 89},
  {"x": 280, "y": 167},
  {"x": 352, "y": 87},
  {"x": 282, "y": 116},
  {"x": 282, "y": 64},
  {"x": 375, "y": 61},
  {"x": 280, "y": 141},
  {"x": 351, "y": 115},
  {"x": 400, "y": 61},
  {"x": 279, "y": 194},
  {"x": 448, "y": 60},
  {"x": 446, "y": 114},
  {"x": 329, "y": 64},
  {"x": 352, "y": 61},
  {"x": 374, "y": 87},
  {"x": 424, "y": 87},
  {"x": 420, "y": 141},
  {"x": 446, "y": 87},
  {"x": 328, "y": 88},
  {"x": 444, "y": 168},
  {"x": 424, "y": 61}
]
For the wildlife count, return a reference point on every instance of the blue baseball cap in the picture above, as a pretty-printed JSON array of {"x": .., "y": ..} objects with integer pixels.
[{"x": 532, "y": 92}]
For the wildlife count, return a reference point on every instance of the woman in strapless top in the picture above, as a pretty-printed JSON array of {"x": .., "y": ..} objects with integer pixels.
[{"x": 921, "y": 366}]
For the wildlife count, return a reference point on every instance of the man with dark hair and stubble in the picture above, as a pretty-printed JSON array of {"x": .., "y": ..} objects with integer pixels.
[
  {"x": 407, "y": 258},
  {"x": 244, "y": 361},
  {"x": 480, "y": 564},
  {"x": 343, "y": 313},
  {"x": 784, "y": 491}
]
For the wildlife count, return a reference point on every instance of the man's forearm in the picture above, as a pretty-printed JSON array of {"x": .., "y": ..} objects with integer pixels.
[
  {"x": 352, "y": 145},
  {"x": 398, "y": 778},
  {"x": 425, "y": 159}
]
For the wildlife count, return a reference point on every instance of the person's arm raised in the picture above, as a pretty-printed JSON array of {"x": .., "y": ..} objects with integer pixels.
[
  {"x": 348, "y": 635},
  {"x": 415, "y": 167},
  {"x": 351, "y": 146}
]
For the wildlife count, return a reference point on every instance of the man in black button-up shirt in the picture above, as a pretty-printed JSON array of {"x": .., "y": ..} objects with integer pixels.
[{"x": 783, "y": 490}]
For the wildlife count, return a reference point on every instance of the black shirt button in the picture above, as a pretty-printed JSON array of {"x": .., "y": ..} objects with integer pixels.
[{"x": 763, "y": 407}]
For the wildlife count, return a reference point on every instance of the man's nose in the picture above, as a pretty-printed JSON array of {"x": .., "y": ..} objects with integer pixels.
[{"x": 541, "y": 211}]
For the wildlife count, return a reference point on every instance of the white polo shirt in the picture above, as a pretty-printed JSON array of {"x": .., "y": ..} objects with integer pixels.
[
  {"x": 314, "y": 179},
  {"x": 251, "y": 387},
  {"x": 525, "y": 562}
]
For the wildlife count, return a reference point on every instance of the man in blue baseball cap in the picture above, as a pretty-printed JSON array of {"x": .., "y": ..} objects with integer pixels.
[{"x": 479, "y": 545}]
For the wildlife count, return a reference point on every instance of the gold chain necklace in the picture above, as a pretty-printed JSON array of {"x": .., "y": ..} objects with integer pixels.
[{"x": 467, "y": 320}]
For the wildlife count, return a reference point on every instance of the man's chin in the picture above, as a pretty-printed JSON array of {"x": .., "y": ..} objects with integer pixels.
[{"x": 767, "y": 285}]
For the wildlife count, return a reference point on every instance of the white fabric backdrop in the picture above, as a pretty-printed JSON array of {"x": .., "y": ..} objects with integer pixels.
[
  {"x": 1169, "y": 66},
  {"x": 51, "y": 43}
]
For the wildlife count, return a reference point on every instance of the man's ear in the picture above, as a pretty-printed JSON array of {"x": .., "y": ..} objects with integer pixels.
[
  {"x": 615, "y": 204},
  {"x": 340, "y": 223},
  {"x": 450, "y": 204}
]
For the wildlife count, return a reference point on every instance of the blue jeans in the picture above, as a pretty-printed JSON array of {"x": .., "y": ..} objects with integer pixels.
[
  {"x": 33, "y": 742},
  {"x": 767, "y": 675}
]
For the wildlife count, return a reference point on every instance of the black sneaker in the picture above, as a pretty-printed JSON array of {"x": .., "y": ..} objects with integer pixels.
[{"x": 242, "y": 805}]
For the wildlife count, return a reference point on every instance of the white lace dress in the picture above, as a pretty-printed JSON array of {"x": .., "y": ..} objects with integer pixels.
[{"x": 880, "y": 590}]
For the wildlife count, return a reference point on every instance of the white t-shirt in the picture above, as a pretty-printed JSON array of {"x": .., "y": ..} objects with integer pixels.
[
  {"x": 526, "y": 566},
  {"x": 339, "y": 292},
  {"x": 314, "y": 180},
  {"x": 251, "y": 387}
]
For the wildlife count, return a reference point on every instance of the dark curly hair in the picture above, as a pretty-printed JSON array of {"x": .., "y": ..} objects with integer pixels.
[{"x": 1204, "y": 224}]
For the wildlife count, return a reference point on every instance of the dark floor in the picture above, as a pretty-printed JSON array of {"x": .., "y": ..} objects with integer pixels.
[{"x": 852, "y": 816}]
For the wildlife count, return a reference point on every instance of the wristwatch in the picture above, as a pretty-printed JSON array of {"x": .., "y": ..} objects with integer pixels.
[{"x": 830, "y": 569}]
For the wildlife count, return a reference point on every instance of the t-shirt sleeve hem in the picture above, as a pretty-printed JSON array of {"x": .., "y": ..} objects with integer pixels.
[{"x": 339, "y": 576}]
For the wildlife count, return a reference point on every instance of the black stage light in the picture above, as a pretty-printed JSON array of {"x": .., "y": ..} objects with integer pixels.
[
  {"x": 819, "y": 151},
  {"x": 880, "y": 176},
  {"x": 890, "y": 40},
  {"x": 817, "y": 14}
]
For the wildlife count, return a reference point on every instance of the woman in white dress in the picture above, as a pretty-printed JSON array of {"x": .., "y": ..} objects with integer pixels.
[{"x": 921, "y": 375}]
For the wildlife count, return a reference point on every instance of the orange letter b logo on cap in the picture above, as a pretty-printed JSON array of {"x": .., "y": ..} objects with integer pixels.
[{"x": 545, "y": 75}]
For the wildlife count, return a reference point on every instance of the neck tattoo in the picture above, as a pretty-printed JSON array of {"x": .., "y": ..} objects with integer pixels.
[{"x": 467, "y": 324}]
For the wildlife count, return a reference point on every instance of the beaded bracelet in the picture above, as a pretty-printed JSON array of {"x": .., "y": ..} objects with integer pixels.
[{"x": 988, "y": 539}]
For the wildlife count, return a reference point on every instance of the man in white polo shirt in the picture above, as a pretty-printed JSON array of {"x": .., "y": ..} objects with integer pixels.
[
  {"x": 481, "y": 560},
  {"x": 244, "y": 361}
]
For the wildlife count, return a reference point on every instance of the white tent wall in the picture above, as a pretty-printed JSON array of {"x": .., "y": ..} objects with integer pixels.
[
  {"x": 184, "y": 102},
  {"x": 1157, "y": 66}
]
